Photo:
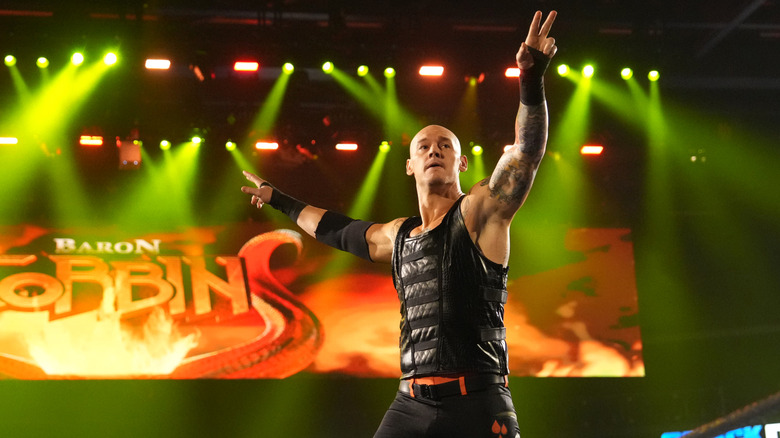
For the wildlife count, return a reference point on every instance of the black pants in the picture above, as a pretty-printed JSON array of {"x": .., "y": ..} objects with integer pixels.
[{"x": 488, "y": 413}]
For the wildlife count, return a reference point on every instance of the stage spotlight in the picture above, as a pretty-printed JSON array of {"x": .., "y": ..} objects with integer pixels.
[
  {"x": 42, "y": 62},
  {"x": 165, "y": 145},
  {"x": 10, "y": 60},
  {"x": 512, "y": 72},
  {"x": 91, "y": 140},
  {"x": 563, "y": 70},
  {"x": 246, "y": 66},
  {"x": 288, "y": 68},
  {"x": 157, "y": 64},
  {"x": 362, "y": 70},
  {"x": 110, "y": 58},
  {"x": 592, "y": 150},
  {"x": 626, "y": 73},
  {"x": 267, "y": 145},
  {"x": 384, "y": 146},
  {"x": 231, "y": 146},
  {"x": 9, "y": 140},
  {"x": 431, "y": 70},
  {"x": 653, "y": 75},
  {"x": 346, "y": 147},
  {"x": 476, "y": 150},
  {"x": 196, "y": 140},
  {"x": 328, "y": 67},
  {"x": 588, "y": 71},
  {"x": 389, "y": 72},
  {"x": 77, "y": 58}
]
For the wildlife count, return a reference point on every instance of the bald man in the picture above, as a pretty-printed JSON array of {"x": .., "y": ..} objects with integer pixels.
[{"x": 449, "y": 266}]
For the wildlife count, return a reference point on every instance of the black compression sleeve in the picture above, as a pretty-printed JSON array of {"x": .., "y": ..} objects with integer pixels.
[
  {"x": 285, "y": 203},
  {"x": 532, "y": 79},
  {"x": 344, "y": 233}
]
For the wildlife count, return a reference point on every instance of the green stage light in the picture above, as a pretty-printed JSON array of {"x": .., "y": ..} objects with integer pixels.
[
  {"x": 165, "y": 145},
  {"x": 288, "y": 68},
  {"x": 626, "y": 73},
  {"x": 476, "y": 150},
  {"x": 42, "y": 62},
  {"x": 77, "y": 59},
  {"x": 231, "y": 146},
  {"x": 588, "y": 71},
  {"x": 328, "y": 67},
  {"x": 384, "y": 146},
  {"x": 389, "y": 72},
  {"x": 563, "y": 70},
  {"x": 110, "y": 58},
  {"x": 196, "y": 140},
  {"x": 362, "y": 70},
  {"x": 10, "y": 60},
  {"x": 653, "y": 75}
]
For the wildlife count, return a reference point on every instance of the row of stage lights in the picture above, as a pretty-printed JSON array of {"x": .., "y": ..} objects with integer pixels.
[
  {"x": 76, "y": 59},
  {"x": 384, "y": 146},
  {"x": 93, "y": 141},
  {"x": 252, "y": 67},
  {"x": 589, "y": 70}
]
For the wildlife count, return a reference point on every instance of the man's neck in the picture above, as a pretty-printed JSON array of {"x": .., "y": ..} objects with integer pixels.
[{"x": 435, "y": 202}]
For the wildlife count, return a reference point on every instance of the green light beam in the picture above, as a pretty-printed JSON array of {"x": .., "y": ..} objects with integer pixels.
[
  {"x": 266, "y": 118},
  {"x": 397, "y": 120},
  {"x": 361, "y": 209},
  {"x": 366, "y": 97},
  {"x": 69, "y": 200},
  {"x": 664, "y": 249},
  {"x": 41, "y": 123},
  {"x": 632, "y": 110},
  {"x": 379, "y": 92},
  {"x": 148, "y": 201},
  {"x": 573, "y": 128},
  {"x": 19, "y": 85}
]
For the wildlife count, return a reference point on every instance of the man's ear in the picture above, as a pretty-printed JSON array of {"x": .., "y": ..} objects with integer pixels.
[
  {"x": 464, "y": 163},
  {"x": 409, "y": 170}
]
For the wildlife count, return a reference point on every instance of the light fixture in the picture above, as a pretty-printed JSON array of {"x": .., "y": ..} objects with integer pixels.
[{"x": 431, "y": 70}]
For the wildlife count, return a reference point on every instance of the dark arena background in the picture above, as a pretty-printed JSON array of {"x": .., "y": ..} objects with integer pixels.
[{"x": 142, "y": 295}]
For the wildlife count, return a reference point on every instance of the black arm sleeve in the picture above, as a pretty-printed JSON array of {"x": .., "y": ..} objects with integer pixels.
[
  {"x": 344, "y": 233},
  {"x": 532, "y": 80},
  {"x": 285, "y": 203}
]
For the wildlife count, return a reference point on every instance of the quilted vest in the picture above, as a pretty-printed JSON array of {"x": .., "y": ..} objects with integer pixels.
[{"x": 452, "y": 301}]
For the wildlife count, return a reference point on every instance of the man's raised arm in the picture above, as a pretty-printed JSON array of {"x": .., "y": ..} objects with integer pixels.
[
  {"x": 371, "y": 241},
  {"x": 511, "y": 180}
]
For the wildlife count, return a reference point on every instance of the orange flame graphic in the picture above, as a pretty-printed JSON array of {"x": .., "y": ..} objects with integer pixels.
[{"x": 99, "y": 344}]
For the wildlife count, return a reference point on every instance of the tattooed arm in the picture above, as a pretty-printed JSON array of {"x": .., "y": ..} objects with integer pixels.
[
  {"x": 511, "y": 180},
  {"x": 490, "y": 205}
]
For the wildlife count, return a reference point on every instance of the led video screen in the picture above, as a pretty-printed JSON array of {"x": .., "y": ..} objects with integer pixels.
[{"x": 250, "y": 300}]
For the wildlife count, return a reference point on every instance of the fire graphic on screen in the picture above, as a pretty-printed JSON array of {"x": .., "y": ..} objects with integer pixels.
[
  {"x": 97, "y": 343},
  {"x": 126, "y": 311}
]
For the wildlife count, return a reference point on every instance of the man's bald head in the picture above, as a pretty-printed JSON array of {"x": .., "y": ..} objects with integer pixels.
[{"x": 435, "y": 133}]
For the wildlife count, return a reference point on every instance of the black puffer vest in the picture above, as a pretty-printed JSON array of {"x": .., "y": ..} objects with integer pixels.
[{"x": 452, "y": 301}]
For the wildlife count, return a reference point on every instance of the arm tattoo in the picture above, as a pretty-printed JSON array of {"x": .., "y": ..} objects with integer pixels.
[
  {"x": 514, "y": 173},
  {"x": 531, "y": 130}
]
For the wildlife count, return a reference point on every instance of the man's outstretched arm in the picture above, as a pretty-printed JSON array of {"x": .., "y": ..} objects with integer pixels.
[
  {"x": 513, "y": 176},
  {"x": 368, "y": 240}
]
